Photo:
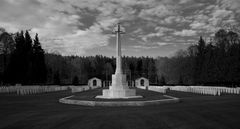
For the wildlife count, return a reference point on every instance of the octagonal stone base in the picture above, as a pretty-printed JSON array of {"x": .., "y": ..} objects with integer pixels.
[
  {"x": 118, "y": 94},
  {"x": 119, "y": 89}
]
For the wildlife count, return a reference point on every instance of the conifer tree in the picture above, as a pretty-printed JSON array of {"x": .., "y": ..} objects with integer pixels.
[
  {"x": 38, "y": 62},
  {"x": 162, "y": 81},
  {"x": 75, "y": 80}
]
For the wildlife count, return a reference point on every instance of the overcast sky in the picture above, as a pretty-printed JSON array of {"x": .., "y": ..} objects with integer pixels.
[{"x": 83, "y": 27}]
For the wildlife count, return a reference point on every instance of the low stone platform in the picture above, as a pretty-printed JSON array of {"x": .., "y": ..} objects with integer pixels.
[
  {"x": 149, "y": 98},
  {"x": 119, "y": 88},
  {"x": 118, "y": 94}
]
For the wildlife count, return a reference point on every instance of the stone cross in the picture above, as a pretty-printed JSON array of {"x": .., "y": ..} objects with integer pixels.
[
  {"x": 119, "y": 87},
  {"x": 118, "y": 33}
]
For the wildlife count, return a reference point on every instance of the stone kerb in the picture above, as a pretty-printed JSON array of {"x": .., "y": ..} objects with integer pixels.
[
  {"x": 158, "y": 89},
  {"x": 68, "y": 100},
  {"x": 75, "y": 89}
]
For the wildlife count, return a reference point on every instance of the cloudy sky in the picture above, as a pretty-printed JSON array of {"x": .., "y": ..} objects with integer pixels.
[{"x": 83, "y": 27}]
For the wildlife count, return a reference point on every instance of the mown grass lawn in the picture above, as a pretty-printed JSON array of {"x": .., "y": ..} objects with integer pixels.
[{"x": 194, "y": 112}]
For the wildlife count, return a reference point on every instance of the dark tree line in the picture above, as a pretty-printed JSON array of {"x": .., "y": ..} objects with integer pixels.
[
  {"x": 77, "y": 70},
  {"x": 24, "y": 62},
  {"x": 216, "y": 62}
]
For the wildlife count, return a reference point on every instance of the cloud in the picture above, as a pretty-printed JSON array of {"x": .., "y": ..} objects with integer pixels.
[
  {"x": 57, "y": 24},
  {"x": 160, "y": 31},
  {"x": 221, "y": 13},
  {"x": 184, "y": 1},
  {"x": 151, "y": 35},
  {"x": 74, "y": 27},
  {"x": 77, "y": 43},
  {"x": 218, "y": 17},
  {"x": 159, "y": 11},
  {"x": 173, "y": 43},
  {"x": 138, "y": 31},
  {"x": 175, "y": 19},
  {"x": 231, "y": 4},
  {"x": 198, "y": 25},
  {"x": 143, "y": 47},
  {"x": 211, "y": 18},
  {"x": 185, "y": 33},
  {"x": 203, "y": 26},
  {"x": 164, "y": 43},
  {"x": 163, "y": 29},
  {"x": 17, "y": 15}
]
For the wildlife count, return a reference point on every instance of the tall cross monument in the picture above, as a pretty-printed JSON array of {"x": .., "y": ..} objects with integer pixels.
[
  {"x": 118, "y": 33},
  {"x": 119, "y": 87}
]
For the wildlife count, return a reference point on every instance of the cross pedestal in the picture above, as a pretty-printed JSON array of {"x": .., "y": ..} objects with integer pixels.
[{"x": 119, "y": 88}]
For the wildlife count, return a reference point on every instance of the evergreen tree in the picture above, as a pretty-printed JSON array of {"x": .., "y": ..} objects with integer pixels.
[
  {"x": 7, "y": 47},
  {"x": 180, "y": 81},
  {"x": 28, "y": 43},
  {"x": 56, "y": 78},
  {"x": 38, "y": 62},
  {"x": 27, "y": 58},
  {"x": 162, "y": 81},
  {"x": 17, "y": 69},
  {"x": 108, "y": 71},
  {"x": 200, "y": 57},
  {"x": 75, "y": 80}
]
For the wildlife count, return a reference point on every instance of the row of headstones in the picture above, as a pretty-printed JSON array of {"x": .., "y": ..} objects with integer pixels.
[
  {"x": 206, "y": 90},
  {"x": 27, "y": 90}
]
